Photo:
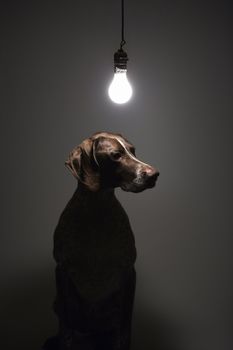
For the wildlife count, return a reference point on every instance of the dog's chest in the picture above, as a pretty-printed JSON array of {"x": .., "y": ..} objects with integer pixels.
[
  {"x": 106, "y": 239},
  {"x": 96, "y": 246}
]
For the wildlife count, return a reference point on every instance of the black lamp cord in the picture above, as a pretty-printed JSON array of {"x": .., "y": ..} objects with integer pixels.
[
  {"x": 123, "y": 42},
  {"x": 120, "y": 57}
]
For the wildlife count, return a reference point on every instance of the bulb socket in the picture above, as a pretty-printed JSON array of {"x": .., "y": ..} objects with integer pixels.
[{"x": 120, "y": 60}]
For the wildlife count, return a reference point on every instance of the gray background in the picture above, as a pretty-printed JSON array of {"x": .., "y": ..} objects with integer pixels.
[{"x": 56, "y": 66}]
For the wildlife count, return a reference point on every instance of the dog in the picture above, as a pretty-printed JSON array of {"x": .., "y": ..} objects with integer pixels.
[{"x": 94, "y": 246}]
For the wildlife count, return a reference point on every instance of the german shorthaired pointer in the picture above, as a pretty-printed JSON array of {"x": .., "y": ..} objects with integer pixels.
[{"x": 94, "y": 247}]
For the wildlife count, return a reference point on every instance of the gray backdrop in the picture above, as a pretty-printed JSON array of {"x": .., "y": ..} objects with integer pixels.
[{"x": 56, "y": 66}]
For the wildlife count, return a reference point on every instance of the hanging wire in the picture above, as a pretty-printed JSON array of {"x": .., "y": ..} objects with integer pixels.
[{"x": 123, "y": 42}]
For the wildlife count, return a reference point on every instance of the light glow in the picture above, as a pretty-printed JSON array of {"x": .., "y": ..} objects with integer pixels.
[{"x": 120, "y": 90}]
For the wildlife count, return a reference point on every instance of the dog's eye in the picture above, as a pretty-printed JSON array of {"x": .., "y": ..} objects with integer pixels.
[{"x": 116, "y": 155}]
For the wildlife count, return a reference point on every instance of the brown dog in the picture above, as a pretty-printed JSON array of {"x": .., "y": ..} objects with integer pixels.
[
  {"x": 108, "y": 160},
  {"x": 94, "y": 246}
]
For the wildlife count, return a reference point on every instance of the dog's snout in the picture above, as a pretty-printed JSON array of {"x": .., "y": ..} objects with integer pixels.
[
  {"x": 155, "y": 175},
  {"x": 150, "y": 174}
]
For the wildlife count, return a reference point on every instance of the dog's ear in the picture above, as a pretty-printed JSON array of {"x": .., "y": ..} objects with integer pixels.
[
  {"x": 73, "y": 163},
  {"x": 83, "y": 166}
]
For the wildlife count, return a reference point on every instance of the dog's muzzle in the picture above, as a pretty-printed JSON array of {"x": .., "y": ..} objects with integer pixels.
[
  {"x": 149, "y": 179},
  {"x": 144, "y": 180}
]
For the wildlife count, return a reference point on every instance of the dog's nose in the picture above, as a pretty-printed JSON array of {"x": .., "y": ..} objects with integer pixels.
[
  {"x": 153, "y": 177},
  {"x": 150, "y": 175}
]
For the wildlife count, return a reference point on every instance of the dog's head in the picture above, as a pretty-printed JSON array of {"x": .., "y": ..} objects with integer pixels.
[{"x": 107, "y": 160}]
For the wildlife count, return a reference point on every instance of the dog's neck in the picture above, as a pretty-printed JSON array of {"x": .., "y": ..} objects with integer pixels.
[{"x": 100, "y": 195}]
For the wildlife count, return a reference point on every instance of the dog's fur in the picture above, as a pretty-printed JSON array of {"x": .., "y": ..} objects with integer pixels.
[{"x": 94, "y": 246}]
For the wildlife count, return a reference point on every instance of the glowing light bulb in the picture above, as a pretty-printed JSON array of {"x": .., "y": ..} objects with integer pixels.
[{"x": 120, "y": 90}]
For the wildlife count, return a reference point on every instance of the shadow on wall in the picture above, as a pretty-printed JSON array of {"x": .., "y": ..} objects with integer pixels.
[
  {"x": 27, "y": 309},
  {"x": 29, "y": 319},
  {"x": 150, "y": 330}
]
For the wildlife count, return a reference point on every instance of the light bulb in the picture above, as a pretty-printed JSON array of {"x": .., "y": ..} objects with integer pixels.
[{"x": 120, "y": 90}]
